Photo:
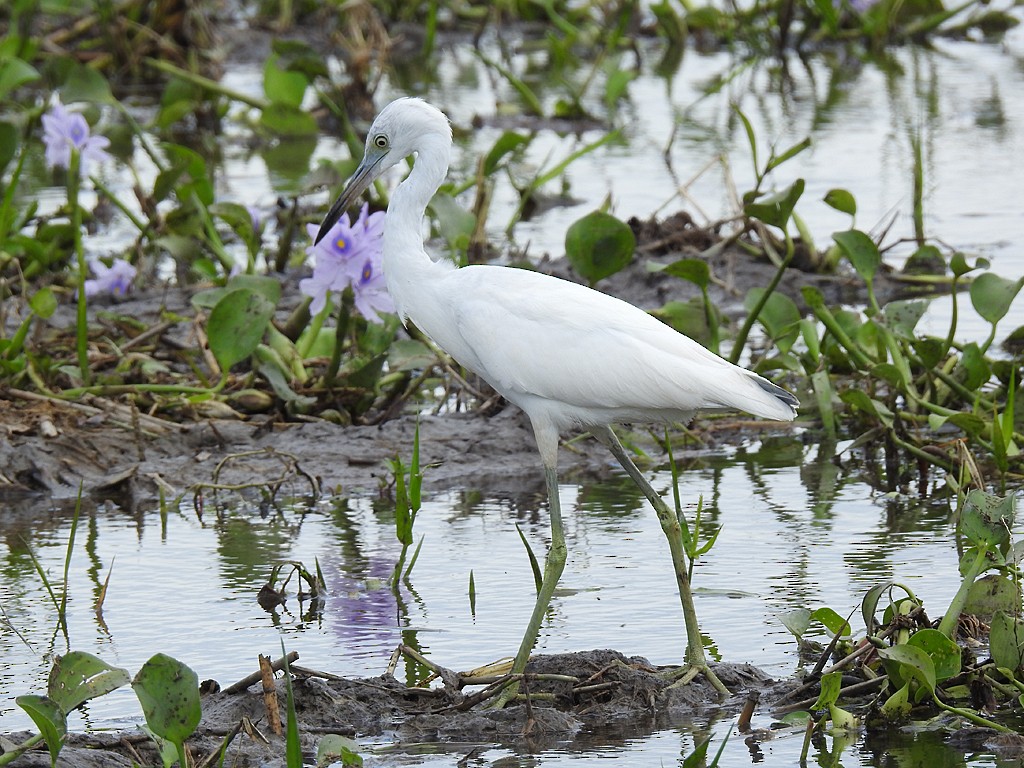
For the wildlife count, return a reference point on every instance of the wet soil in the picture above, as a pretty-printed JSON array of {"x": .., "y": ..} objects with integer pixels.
[{"x": 596, "y": 692}]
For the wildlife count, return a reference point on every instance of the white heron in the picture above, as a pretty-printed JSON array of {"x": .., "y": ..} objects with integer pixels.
[{"x": 571, "y": 357}]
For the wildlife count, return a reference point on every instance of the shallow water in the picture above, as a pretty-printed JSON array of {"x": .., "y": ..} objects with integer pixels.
[{"x": 794, "y": 533}]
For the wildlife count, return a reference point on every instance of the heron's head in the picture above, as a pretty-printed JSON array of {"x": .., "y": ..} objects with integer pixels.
[{"x": 401, "y": 129}]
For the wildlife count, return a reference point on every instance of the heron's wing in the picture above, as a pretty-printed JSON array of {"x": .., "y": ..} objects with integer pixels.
[{"x": 530, "y": 334}]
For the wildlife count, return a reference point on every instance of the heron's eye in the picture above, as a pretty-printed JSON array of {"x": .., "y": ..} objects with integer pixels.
[{"x": 381, "y": 142}]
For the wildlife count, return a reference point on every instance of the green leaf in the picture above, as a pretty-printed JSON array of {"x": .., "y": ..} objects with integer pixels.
[
  {"x": 776, "y": 209},
  {"x": 776, "y": 160},
  {"x": 688, "y": 317},
  {"x": 454, "y": 223},
  {"x": 987, "y": 519},
  {"x": 236, "y": 216},
  {"x": 78, "y": 676},
  {"x": 779, "y": 316},
  {"x": 869, "y": 605},
  {"x": 840, "y": 199},
  {"x": 832, "y": 621},
  {"x": 599, "y": 245},
  {"x": 507, "y": 143},
  {"x": 283, "y": 86},
  {"x": 15, "y": 73},
  {"x": 1006, "y": 641},
  {"x": 831, "y": 684},
  {"x": 44, "y": 302},
  {"x": 991, "y": 594},
  {"x": 86, "y": 84},
  {"x": 410, "y": 355},
  {"x": 974, "y": 364},
  {"x": 695, "y": 271},
  {"x": 992, "y": 295},
  {"x": 288, "y": 120},
  {"x": 959, "y": 266},
  {"x": 168, "y": 691},
  {"x": 333, "y": 748},
  {"x": 236, "y": 325},
  {"x": 9, "y": 139},
  {"x": 912, "y": 662},
  {"x": 49, "y": 719},
  {"x": 797, "y": 621},
  {"x": 861, "y": 251},
  {"x": 902, "y": 316},
  {"x": 897, "y": 706},
  {"x": 944, "y": 653},
  {"x": 297, "y": 56}
]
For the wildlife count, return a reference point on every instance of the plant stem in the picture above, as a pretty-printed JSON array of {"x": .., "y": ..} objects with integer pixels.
[
  {"x": 949, "y": 620},
  {"x": 339, "y": 337},
  {"x": 741, "y": 337},
  {"x": 82, "y": 320}
]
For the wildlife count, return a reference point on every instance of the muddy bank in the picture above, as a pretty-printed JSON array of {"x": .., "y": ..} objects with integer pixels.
[{"x": 597, "y": 693}]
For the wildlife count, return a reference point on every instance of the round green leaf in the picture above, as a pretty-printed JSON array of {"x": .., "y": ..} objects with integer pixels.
[
  {"x": 286, "y": 120},
  {"x": 333, "y": 748},
  {"x": 902, "y": 316},
  {"x": 14, "y": 73},
  {"x": 861, "y": 251},
  {"x": 283, "y": 86},
  {"x": 779, "y": 316},
  {"x": 842, "y": 200},
  {"x": 944, "y": 653},
  {"x": 832, "y": 621},
  {"x": 236, "y": 326},
  {"x": 1006, "y": 641},
  {"x": 796, "y": 621},
  {"x": 991, "y": 594},
  {"x": 169, "y": 694},
  {"x": 912, "y": 662},
  {"x": 44, "y": 302},
  {"x": 992, "y": 295},
  {"x": 599, "y": 245},
  {"x": 78, "y": 676}
]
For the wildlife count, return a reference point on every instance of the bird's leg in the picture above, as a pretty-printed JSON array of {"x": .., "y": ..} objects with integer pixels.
[
  {"x": 553, "y": 566},
  {"x": 673, "y": 532}
]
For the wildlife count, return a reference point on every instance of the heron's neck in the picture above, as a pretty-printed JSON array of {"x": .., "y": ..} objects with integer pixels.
[{"x": 406, "y": 263}]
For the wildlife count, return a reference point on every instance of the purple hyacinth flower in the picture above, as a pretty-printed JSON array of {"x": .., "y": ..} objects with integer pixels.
[
  {"x": 350, "y": 256},
  {"x": 115, "y": 279},
  {"x": 64, "y": 131}
]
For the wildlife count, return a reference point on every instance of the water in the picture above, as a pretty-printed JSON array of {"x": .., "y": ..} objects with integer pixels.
[{"x": 794, "y": 533}]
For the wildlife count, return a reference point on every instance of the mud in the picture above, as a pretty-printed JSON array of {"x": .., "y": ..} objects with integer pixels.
[{"x": 597, "y": 692}]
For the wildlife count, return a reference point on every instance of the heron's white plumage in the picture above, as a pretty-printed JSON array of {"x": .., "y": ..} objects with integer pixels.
[
  {"x": 581, "y": 357},
  {"x": 567, "y": 355}
]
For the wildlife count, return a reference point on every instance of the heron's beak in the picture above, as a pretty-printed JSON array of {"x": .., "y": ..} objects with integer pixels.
[{"x": 361, "y": 179}]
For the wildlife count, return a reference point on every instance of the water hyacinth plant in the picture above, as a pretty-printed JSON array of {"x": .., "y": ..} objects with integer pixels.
[
  {"x": 66, "y": 133},
  {"x": 115, "y": 279},
  {"x": 349, "y": 257}
]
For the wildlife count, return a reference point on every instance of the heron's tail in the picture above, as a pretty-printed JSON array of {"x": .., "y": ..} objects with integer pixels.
[{"x": 759, "y": 397}]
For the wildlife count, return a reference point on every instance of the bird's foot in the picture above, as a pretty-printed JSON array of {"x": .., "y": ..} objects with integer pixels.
[
  {"x": 687, "y": 673},
  {"x": 508, "y": 693}
]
